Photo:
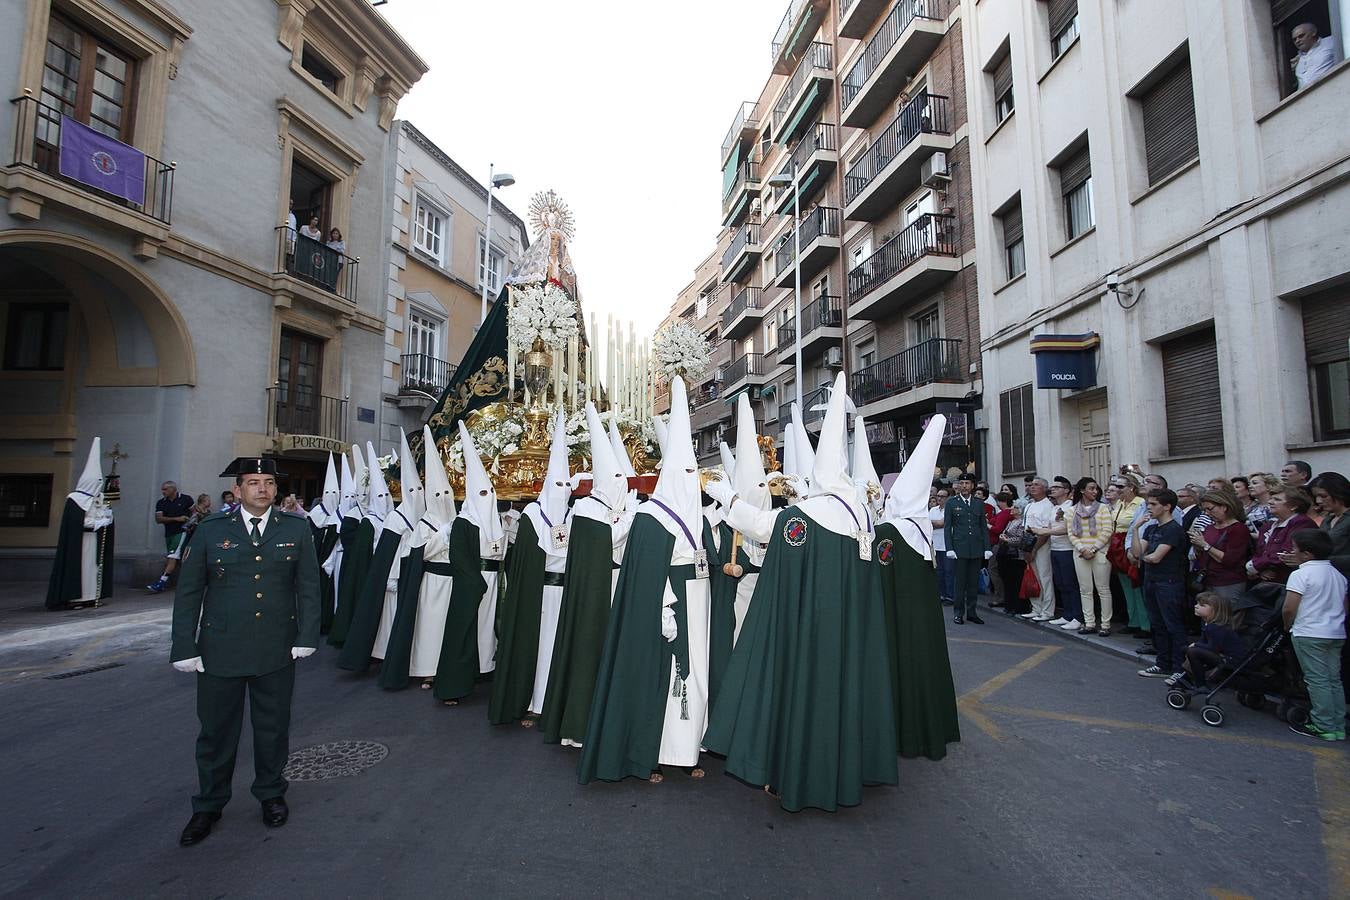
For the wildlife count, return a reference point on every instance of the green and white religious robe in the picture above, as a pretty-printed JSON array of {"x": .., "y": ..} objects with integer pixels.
[
  {"x": 433, "y": 601},
  {"x": 372, "y": 599},
  {"x": 395, "y": 672},
  {"x": 357, "y": 539},
  {"x": 474, "y": 567},
  {"x": 717, "y": 539},
  {"x": 518, "y": 625},
  {"x": 82, "y": 568}
]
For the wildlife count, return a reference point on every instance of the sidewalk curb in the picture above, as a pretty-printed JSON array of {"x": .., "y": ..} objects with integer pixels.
[
  {"x": 82, "y": 628},
  {"x": 1100, "y": 644}
]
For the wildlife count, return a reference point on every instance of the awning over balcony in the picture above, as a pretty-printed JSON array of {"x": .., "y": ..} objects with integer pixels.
[
  {"x": 808, "y": 184},
  {"x": 804, "y": 109},
  {"x": 731, "y": 169}
]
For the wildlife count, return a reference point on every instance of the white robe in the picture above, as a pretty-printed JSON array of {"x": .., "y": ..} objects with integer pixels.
[
  {"x": 432, "y": 603},
  {"x": 487, "y": 607},
  {"x": 91, "y": 573},
  {"x": 405, "y": 543},
  {"x": 555, "y": 560}
]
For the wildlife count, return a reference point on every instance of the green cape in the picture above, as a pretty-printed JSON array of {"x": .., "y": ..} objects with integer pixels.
[
  {"x": 518, "y": 618},
  {"x": 921, "y": 674},
  {"x": 64, "y": 585},
  {"x": 722, "y": 616},
  {"x": 806, "y": 703},
  {"x": 357, "y": 540},
  {"x": 325, "y": 539},
  {"x": 398, "y": 655},
  {"x": 457, "y": 668},
  {"x": 369, "y": 606}
]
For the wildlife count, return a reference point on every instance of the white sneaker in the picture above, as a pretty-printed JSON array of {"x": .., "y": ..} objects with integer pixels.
[
  {"x": 1040, "y": 619},
  {"x": 1026, "y": 615},
  {"x": 1071, "y": 625},
  {"x": 1058, "y": 620}
]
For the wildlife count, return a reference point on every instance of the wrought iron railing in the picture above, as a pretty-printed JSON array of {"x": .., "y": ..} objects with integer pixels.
[
  {"x": 823, "y": 312},
  {"x": 823, "y": 221},
  {"x": 317, "y": 263},
  {"x": 744, "y": 366},
  {"x": 746, "y": 117},
  {"x": 37, "y": 145},
  {"x": 892, "y": 27},
  {"x": 814, "y": 403},
  {"x": 746, "y": 172},
  {"x": 822, "y": 137},
  {"x": 925, "y": 114},
  {"x": 297, "y": 409},
  {"x": 929, "y": 234},
  {"x": 425, "y": 373},
  {"x": 741, "y": 300},
  {"x": 790, "y": 17},
  {"x": 817, "y": 56},
  {"x": 787, "y": 339},
  {"x": 933, "y": 360},
  {"x": 746, "y": 235}
]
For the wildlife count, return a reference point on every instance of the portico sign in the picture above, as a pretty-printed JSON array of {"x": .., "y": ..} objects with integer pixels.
[{"x": 287, "y": 442}]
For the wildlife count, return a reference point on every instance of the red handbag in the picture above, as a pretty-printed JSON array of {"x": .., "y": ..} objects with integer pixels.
[
  {"x": 1121, "y": 561},
  {"x": 1031, "y": 585}
]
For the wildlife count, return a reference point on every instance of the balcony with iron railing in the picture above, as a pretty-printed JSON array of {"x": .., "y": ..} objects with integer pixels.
[
  {"x": 743, "y": 313},
  {"x": 293, "y": 409},
  {"x": 890, "y": 169},
  {"x": 424, "y": 374},
  {"x": 706, "y": 406},
  {"x": 742, "y": 253},
  {"x": 743, "y": 128},
  {"x": 804, "y": 92},
  {"x": 898, "y": 49},
  {"x": 799, "y": 25},
  {"x": 856, "y": 17},
  {"x": 887, "y": 384},
  {"x": 818, "y": 235},
  {"x": 814, "y": 404},
  {"x": 140, "y": 199},
  {"x": 737, "y": 196},
  {"x": 744, "y": 370},
  {"x": 910, "y": 265},
  {"x": 812, "y": 160},
  {"x": 316, "y": 263}
]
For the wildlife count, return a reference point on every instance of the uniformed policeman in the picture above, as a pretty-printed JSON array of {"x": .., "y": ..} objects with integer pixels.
[
  {"x": 247, "y": 607},
  {"x": 966, "y": 530}
]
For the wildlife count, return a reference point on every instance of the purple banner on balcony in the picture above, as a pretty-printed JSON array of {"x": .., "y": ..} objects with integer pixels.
[{"x": 101, "y": 162}]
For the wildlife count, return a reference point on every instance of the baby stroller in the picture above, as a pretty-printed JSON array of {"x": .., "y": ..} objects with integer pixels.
[{"x": 1269, "y": 667}]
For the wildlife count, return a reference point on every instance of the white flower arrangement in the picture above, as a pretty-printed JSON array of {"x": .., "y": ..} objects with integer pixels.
[
  {"x": 544, "y": 312},
  {"x": 492, "y": 441},
  {"x": 680, "y": 349}
]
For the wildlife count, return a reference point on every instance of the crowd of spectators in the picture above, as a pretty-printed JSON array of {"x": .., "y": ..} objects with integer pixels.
[{"x": 1165, "y": 565}]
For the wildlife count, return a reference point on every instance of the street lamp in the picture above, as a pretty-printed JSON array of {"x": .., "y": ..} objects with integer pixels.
[
  {"x": 494, "y": 181},
  {"x": 789, "y": 179}
]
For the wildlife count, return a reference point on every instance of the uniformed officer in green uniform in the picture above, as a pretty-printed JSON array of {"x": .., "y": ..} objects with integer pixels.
[
  {"x": 966, "y": 531},
  {"x": 247, "y": 607}
]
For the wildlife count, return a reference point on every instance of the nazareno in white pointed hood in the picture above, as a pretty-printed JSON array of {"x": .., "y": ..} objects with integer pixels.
[
  {"x": 609, "y": 481},
  {"x": 907, "y": 503},
  {"x": 728, "y": 459},
  {"x": 802, "y": 454},
  {"x": 89, "y": 488},
  {"x": 361, "y": 475},
  {"x": 829, "y": 470},
  {"x": 557, "y": 488},
  {"x": 865, "y": 479},
  {"x": 662, "y": 429},
  {"x": 678, "y": 485},
  {"x": 749, "y": 480},
  {"x": 413, "y": 503},
  {"x": 378, "y": 502},
  {"x": 620, "y": 451},
  {"x": 347, "y": 505},
  {"x": 326, "y": 511},
  {"x": 480, "y": 497},
  {"x": 440, "y": 500}
]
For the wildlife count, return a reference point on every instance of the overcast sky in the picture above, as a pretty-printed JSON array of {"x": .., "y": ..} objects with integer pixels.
[{"x": 620, "y": 107}]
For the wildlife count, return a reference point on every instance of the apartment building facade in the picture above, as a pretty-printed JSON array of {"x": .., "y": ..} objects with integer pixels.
[
  {"x": 162, "y": 299},
  {"x": 846, "y": 180},
  {"x": 437, "y": 220},
  {"x": 1170, "y": 180}
]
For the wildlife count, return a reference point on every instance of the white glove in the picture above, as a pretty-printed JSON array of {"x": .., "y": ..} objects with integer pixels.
[
  {"x": 721, "y": 491},
  {"x": 951, "y": 554},
  {"x": 190, "y": 665},
  {"x": 668, "y": 629},
  {"x": 330, "y": 564},
  {"x": 391, "y": 586},
  {"x": 989, "y": 554},
  {"x": 301, "y": 652}
]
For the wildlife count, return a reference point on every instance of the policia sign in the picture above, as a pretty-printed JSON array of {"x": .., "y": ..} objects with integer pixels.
[{"x": 1067, "y": 361}]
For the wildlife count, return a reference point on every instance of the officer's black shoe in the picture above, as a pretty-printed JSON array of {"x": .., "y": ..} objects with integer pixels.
[
  {"x": 958, "y": 619},
  {"x": 198, "y": 827},
  {"x": 275, "y": 812},
  {"x": 974, "y": 620}
]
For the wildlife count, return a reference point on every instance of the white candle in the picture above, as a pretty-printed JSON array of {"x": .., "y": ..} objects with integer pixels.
[
  {"x": 557, "y": 375},
  {"x": 591, "y": 340},
  {"x": 609, "y": 360},
  {"x": 572, "y": 371}
]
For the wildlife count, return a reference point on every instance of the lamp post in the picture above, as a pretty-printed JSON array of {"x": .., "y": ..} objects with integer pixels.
[
  {"x": 789, "y": 179},
  {"x": 494, "y": 181}
]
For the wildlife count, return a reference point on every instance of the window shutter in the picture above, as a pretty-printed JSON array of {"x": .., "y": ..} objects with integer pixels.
[
  {"x": 1012, "y": 225},
  {"x": 1003, "y": 75},
  {"x": 1075, "y": 170},
  {"x": 1061, "y": 13},
  {"x": 1018, "y": 431},
  {"x": 1326, "y": 326},
  {"x": 1170, "y": 139},
  {"x": 1280, "y": 10},
  {"x": 1191, "y": 394}
]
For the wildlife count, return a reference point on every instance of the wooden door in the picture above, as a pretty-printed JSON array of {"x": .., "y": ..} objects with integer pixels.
[
  {"x": 1095, "y": 439},
  {"x": 299, "y": 376}
]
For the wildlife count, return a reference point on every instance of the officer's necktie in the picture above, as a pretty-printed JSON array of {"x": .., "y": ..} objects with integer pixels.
[{"x": 254, "y": 532}]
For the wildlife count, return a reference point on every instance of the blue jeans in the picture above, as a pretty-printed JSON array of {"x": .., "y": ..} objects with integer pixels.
[
  {"x": 1166, "y": 605},
  {"x": 946, "y": 573},
  {"x": 1066, "y": 584}
]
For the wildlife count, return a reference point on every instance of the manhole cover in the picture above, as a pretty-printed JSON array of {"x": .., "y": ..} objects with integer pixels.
[{"x": 336, "y": 759}]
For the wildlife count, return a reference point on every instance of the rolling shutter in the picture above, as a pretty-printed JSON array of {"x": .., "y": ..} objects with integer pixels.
[
  {"x": 1017, "y": 430},
  {"x": 1326, "y": 326},
  {"x": 1075, "y": 171},
  {"x": 1170, "y": 139},
  {"x": 1191, "y": 395},
  {"x": 1012, "y": 225},
  {"x": 1003, "y": 76},
  {"x": 1061, "y": 13},
  {"x": 1280, "y": 10}
]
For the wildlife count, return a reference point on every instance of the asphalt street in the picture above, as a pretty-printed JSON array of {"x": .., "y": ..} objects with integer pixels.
[{"x": 1072, "y": 779}]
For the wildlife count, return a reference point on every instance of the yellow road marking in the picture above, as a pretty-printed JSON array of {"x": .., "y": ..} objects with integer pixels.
[
  {"x": 1332, "y": 776},
  {"x": 971, "y": 710},
  {"x": 998, "y": 643},
  {"x": 1004, "y": 678}
]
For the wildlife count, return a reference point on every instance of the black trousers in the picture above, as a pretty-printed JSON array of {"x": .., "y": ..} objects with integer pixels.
[
  {"x": 1012, "y": 571},
  {"x": 967, "y": 572},
  {"x": 220, "y": 709}
]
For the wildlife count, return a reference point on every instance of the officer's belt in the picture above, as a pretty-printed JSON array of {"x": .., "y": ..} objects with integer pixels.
[{"x": 553, "y": 579}]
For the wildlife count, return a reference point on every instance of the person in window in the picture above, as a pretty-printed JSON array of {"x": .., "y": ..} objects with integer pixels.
[
  {"x": 290, "y": 228},
  {"x": 339, "y": 247},
  {"x": 1316, "y": 55},
  {"x": 311, "y": 230}
]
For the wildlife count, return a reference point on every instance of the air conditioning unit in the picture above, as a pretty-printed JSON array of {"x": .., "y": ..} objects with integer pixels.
[
  {"x": 933, "y": 172},
  {"x": 756, "y": 206},
  {"x": 834, "y": 356}
]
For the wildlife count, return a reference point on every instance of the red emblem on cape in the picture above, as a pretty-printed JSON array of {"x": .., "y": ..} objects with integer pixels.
[
  {"x": 886, "y": 552},
  {"x": 794, "y": 532}
]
